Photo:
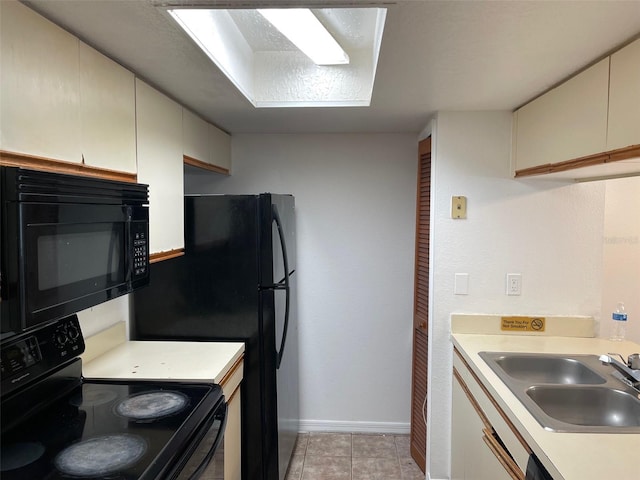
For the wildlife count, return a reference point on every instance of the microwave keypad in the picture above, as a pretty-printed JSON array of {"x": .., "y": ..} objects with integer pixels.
[{"x": 140, "y": 253}]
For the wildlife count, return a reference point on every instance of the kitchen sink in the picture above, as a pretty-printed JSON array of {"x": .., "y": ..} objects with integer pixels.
[
  {"x": 588, "y": 406},
  {"x": 569, "y": 393},
  {"x": 548, "y": 369}
]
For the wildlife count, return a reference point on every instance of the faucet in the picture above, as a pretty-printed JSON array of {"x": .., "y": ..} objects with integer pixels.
[{"x": 630, "y": 369}]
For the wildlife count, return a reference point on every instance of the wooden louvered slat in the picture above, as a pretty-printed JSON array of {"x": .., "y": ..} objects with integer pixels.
[
  {"x": 418, "y": 427},
  {"x": 418, "y": 438}
]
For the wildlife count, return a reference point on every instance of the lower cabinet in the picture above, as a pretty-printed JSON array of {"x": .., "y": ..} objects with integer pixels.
[
  {"x": 484, "y": 446},
  {"x": 232, "y": 437}
]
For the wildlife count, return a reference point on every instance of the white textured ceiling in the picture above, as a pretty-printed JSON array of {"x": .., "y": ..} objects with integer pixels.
[{"x": 435, "y": 55}]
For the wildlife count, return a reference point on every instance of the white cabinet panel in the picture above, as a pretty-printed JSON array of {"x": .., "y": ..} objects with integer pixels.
[
  {"x": 40, "y": 113},
  {"x": 206, "y": 143},
  {"x": 195, "y": 132},
  {"x": 624, "y": 98},
  {"x": 107, "y": 111},
  {"x": 232, "y": 436},
  {"x": 220, "y": 148},
  {"x": 471, "y": 458},
  {"x": 568, "y": 122},
  {"x": 159, "y": 146}
]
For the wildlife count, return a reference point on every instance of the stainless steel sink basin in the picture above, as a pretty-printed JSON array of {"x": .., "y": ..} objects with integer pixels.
[
  {"x": 548, "y": 369},
  {"x": 569, "y": 393},
  {"x": 588, "y": 406}
]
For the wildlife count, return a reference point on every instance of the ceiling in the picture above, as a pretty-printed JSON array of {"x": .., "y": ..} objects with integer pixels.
[{"x": 435, "y": 55}]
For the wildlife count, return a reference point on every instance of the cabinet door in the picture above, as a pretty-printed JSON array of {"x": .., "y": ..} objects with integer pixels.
[
  {"x": 220, "y": 149},
  {"x": 624, "y": 98},
  {"x": 566, "y": 123},
  {"x": 205, "y": 145},
  {"x": 232, "y": 436},
  {"x": 39, "y": 86},
  {"x": 461, "y": 413},
  {"x": 195, "y": 132},
  {"x": 107, "y": 112},
  {"x": 471, "y": 458},
  {"x": 233, "y": 439},
  {"x": 159, "y": 145}
]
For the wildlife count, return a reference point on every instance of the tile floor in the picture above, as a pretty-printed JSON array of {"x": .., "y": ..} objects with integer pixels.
[{"x": 347, "y": 456}]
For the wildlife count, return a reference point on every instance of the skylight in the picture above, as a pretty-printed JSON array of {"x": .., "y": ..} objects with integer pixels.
[
  {"x": 273, "y": 67},
  {"x": 306, "y": 32}
]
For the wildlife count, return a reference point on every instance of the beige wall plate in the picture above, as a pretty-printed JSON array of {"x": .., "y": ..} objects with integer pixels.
[{"x": 458, "y": 207}]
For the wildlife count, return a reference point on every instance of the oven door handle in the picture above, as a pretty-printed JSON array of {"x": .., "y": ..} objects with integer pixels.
[{"x": 209, "y": 456}]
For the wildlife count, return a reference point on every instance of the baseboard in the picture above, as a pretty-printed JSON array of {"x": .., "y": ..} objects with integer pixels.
[{"x": 354, "y": 427}]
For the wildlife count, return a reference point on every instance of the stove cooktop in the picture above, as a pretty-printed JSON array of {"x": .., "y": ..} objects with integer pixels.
[{"x": 107, "y": 430}]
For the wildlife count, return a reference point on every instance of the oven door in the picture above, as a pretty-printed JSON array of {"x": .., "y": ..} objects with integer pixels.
[
  {"x": 205, "y": 456},
  {"x": 72, "y": 257}
]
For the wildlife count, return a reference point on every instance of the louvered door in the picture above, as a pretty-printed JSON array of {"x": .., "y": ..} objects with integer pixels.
[{"x": 421, "y": 308}]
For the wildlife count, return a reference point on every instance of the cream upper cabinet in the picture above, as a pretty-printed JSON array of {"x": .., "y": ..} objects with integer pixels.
[
  {"x": 205, "y": 143},
  {"x": 220, "y": 148},
  {"x": 195, "y": 134},
  {"x": 159, "y": 148},
  {"x": 567, "y": 122},
  {"x": 624, "y": 98},
  {"x": 39, "y": 113},
  {"x": 107, "y": 112}
]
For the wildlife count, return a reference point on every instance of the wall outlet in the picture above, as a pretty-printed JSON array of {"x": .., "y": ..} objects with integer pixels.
[{"x": 514, "y": 284}]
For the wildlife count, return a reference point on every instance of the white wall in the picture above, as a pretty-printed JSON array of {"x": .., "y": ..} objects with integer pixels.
[
  {"x": 355, "y": 202},
  {"x": 621, "y": 243},
  {"x": 96, "y": 319},
  {"x": 550, "y": 233}
]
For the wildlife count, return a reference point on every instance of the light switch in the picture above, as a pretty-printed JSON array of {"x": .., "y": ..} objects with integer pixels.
[
  {"x": 458, "y": 207},
  {"x": 461, "y": 284},
  {"x": 514, "y": 284}
]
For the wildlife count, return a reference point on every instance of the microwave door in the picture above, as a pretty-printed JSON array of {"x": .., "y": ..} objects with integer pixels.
[{"x": 70, "y": 265}]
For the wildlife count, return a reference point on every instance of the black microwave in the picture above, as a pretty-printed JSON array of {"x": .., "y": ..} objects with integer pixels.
[{"x": 68, "y": 243}]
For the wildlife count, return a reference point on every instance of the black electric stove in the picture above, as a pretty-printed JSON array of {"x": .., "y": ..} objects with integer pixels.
[{"x": 56, "y": 425}]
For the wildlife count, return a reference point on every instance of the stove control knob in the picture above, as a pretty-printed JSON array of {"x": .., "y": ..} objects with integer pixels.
[
  {"x": 73, "y": 332},
  {"x": 61, "y": 337}
]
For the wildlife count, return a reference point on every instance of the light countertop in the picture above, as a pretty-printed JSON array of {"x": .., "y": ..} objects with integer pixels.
[
  {"x": 154, "y": 360},
  {"x": 572, "y": 456}
]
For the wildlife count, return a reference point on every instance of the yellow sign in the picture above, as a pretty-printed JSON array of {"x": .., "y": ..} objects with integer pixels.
[{"x": 522, "y": 324}]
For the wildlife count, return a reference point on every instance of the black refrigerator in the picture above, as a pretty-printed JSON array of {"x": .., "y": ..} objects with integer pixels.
[{"x": 236, "y": 282}]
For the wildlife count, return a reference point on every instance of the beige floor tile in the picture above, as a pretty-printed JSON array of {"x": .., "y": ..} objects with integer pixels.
[
  {"x": 329, "y": 444},
  {"x": 301, "y": 444},
  {"x": 409, "y": 469},
  {"x": 326, "y": 468},
  {"x": 294, "y": 471},
  {"x": 346, "y": 456},
  {"x": 374, "y": 446},
  {"x": 403, "y": 446},
  {"x": 375, "y": 469}
]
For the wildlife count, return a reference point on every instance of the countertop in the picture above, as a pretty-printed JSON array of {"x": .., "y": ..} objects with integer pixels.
[
  {"x": 569, "y": 456},
  {"x": 154, "y": 360}
]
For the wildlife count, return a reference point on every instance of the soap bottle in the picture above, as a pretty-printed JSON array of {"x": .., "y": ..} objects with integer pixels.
[{"x": 619, "y": 323}]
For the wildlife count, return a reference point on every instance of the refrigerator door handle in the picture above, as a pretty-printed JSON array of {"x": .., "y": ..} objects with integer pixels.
[{"x": 284, "y": 285}]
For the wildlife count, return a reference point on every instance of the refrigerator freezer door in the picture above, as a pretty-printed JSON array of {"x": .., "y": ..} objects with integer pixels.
[{"x": 285, "y": 206}]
